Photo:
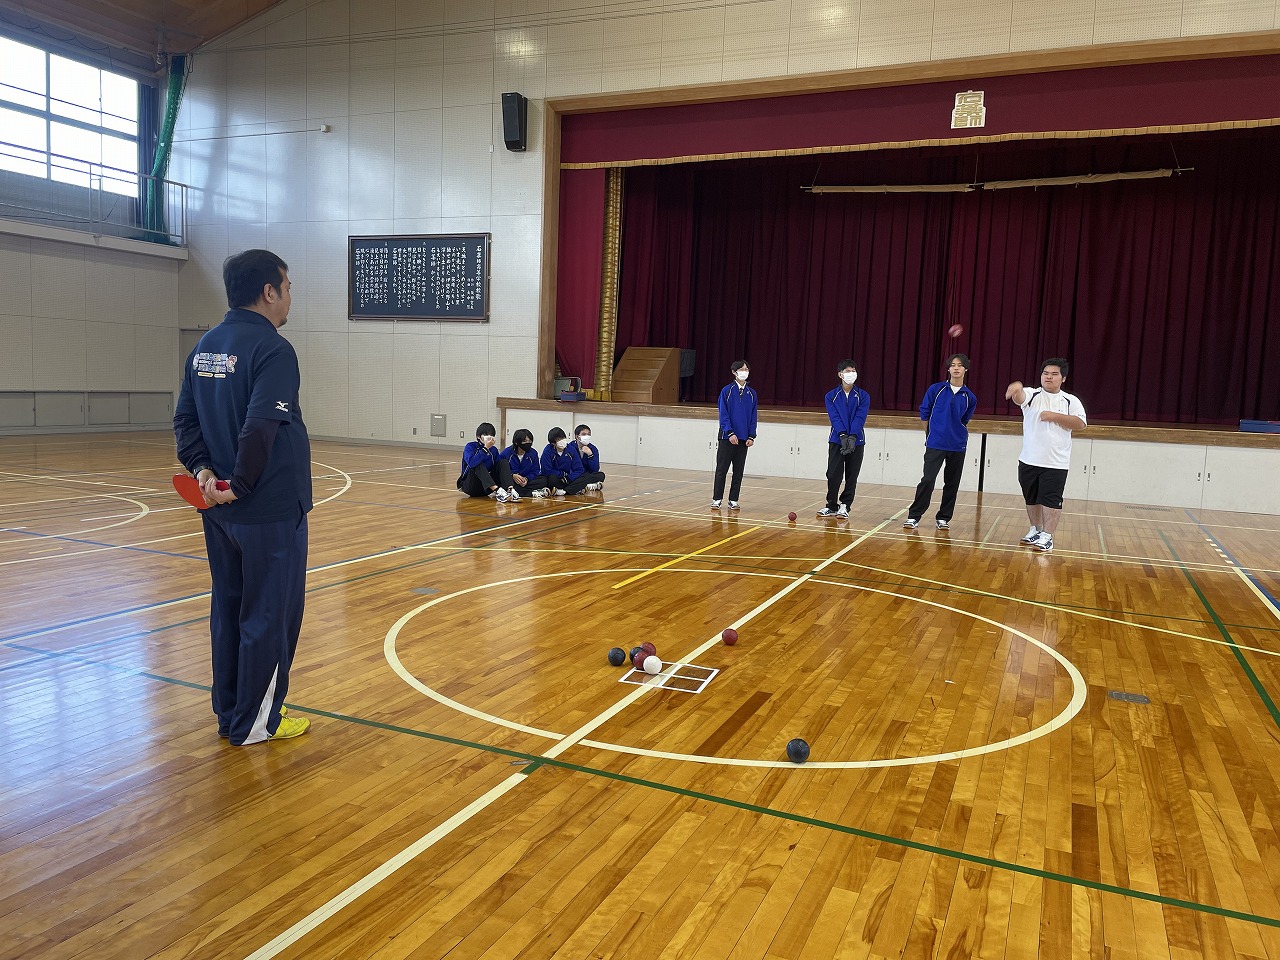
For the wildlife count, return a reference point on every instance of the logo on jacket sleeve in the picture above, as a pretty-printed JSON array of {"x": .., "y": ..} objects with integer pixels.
[{"x": 282, "y": 406}]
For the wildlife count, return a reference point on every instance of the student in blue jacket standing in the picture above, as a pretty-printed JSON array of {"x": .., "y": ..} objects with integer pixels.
[
  {"x": 738, "y": 408},
  {"x": 847, "y": 407},
  {"x": 526, "y": 469},
  {"x": 946, "y": 410}
]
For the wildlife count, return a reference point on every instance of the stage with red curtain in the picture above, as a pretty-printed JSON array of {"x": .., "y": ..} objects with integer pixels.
[{"x": 1164, "y": 294}]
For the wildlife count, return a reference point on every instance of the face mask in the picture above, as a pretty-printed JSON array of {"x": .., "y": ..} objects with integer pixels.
[
  {"x": 584, "y": 439},
  {"x": 742, "y": 375},
  {"x": 850, "y": 378},
  {"x": 525, "y": 447},
  {"x": 561, "y": 444},
  {"x": 485, "y": 440}
]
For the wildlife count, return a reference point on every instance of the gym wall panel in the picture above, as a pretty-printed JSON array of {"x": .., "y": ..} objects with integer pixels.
[
  {"x": 110, "y": 286},
  {"x": 418, "y": 150},
  {"x": 372, "y": 356},
  {"x": 60, "y": 354},
  {"x": 419, "y": 73},
  {"x": 327, "y": 384},
  {"x": 371, "y": 166},
  {"x": 756, "y": 46},
  {"x": 468, "y": 64},
  {"x": 57, "y": 280},
  {"x": 16, "y": 370},
  {"x": 467, "y": 161},
  {"x": 633, "y": 53},
  {"x": 894, "y": 31},
  {"x": 15, "y": 275},
  {"x": 110, "y": 357},
  {"x": 415, "y": 381},
  {"x": 157, "y": 362},
  {"x": 822, "y": 36},
  {"x": 575, "y": 57},
  {"x": 693, "y": 46}
]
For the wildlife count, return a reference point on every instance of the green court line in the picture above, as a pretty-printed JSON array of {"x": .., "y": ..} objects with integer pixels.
[
  {"x": 535, "y": 761},
  {"x": 1240, "y": 657}
]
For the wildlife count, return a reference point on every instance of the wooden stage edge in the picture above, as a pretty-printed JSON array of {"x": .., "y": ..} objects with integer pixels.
[{"x": 1141, "y": 432}]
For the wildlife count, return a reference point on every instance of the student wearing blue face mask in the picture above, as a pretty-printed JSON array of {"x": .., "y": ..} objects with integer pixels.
[
  {"x": 526, "y": 469},
  {"x": 586, "y": 452},
  {"x": 738, "y": 408}
]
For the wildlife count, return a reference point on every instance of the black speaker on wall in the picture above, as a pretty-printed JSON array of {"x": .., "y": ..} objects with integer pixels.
[{"x": 515, "y": 121}]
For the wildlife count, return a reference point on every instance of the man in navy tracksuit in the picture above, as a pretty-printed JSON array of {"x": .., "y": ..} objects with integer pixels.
[
  {"x": 238, "y": 419},
  {"x": 847, "y": 408},
  {"x": 946, "y": 410}
]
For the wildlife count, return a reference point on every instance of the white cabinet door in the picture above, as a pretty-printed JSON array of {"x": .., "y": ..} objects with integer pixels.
[
  {"x": 1164, "y": 474},
  {"x": 773, "y": 453},
  {"x": 614, "y": 437},
  {"x": 1239, "y": 478},
  {"x": 812, "y": 443},
  {"x": 904, "y": 457},
  {"x": 872, "y": 458},
  {"x": 1000, "y": 472},
  {"x": 683, "y": 444}
]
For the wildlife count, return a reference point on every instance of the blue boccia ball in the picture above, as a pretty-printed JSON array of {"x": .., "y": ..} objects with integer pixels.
[
  {"x": 617, "y": 657},
  {"x": 797, "y": 750}
]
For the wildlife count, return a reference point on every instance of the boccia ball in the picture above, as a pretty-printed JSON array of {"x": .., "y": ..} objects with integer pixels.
[
  {"x": 617, "y": 657},
  {"x": 955, "y": 330},
  {"x": 637, "y": 658},
  {"x": 652, "y": 665},
  {"x": 797, "y": 750},
  {"x": 730, "y": 636},
  {"x": 631, "y": 654},
  {"x": 792, "y": 517},
  {"x": 648, "y": 648}
]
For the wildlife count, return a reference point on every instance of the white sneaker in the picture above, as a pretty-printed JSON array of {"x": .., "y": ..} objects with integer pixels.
[
  {"x": 826, "y": 512},
  {"x": 539, "y": 494},
  {"x": 944, "y": 524},
  {"x": 843, "y": 512},
  {"x": 715, "y": 504},
  {"x": 513, "y": 494},
  {"x": 1031, "y": 536},
  {"x": 558, "y": 492},
  {"x": 733, "y": 504},
  {"x": 500, "y": 495},
  {"x": 1044, "y": 542},
  {"x": 910, "y": 523},
  {"x": 593, "y": 487}
]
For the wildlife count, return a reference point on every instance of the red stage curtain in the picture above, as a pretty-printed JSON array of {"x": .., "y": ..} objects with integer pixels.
[
  {"x": 581, "y": 250},
  {"x": 1164, "y": 294}
]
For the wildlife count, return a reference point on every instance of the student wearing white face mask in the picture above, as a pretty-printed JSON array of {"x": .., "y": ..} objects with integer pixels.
[
  {"x": 738, "y": 409},
  {"x": 847, "y": 407},
  {"x": 586, "y": 451},
  {"x": 484, "y": 473},
  {"x": 561, "y": 466}
]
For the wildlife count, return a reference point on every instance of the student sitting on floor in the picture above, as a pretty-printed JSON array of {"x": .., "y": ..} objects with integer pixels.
[
  {"x": 586, "y": 452},
  {"x": 484, "y": 473},
  {"x": 526, "y": 470},
  {"x": 560, "y": 466}
]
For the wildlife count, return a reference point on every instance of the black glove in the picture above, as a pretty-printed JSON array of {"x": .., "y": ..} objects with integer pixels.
[{"x": 848, "y": 444}]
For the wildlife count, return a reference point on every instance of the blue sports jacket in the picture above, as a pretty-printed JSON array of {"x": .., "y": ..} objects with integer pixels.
[
  {"x": 947, "y": 415},
  {"x": 526, "y": 465},
  {"x": 738, "y": 409},
  {"x": 848, "y": 413},
  {"x": 560, "y": 468},
  {"x": 474, "y": 454}
]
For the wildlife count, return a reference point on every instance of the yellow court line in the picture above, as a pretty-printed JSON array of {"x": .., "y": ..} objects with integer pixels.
[{"x": 669, "y": 563}]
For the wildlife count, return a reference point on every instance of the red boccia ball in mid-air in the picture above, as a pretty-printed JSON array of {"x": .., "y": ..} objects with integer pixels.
[{"x": 955, "y": 330}]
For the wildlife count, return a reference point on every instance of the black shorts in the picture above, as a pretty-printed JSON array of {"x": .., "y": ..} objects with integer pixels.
[{"x": 1042, "y": 485}]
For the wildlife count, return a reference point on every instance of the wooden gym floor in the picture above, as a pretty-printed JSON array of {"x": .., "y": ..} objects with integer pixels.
[{"x": 478, "y": 783}]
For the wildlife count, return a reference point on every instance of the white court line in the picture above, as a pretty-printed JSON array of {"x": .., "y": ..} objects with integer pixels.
[
  {"x": 136, "y": 488},
  {"x": 353, "y": 892},
  {"x": 1248, "y": 582}
]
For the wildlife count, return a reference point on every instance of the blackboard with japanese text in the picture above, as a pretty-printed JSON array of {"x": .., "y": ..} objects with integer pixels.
[{"x": 421, "y": 277}]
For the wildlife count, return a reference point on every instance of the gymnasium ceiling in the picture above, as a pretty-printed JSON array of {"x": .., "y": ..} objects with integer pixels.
[{"x": 135, "y": 31}]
